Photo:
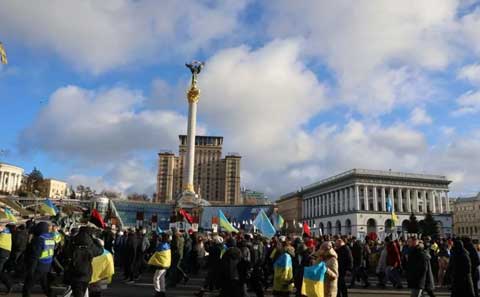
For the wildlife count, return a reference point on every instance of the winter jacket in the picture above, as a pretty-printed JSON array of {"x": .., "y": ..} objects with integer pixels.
[
  {"x": 331, "y": 276},
  {"x": 345, "y": 260},
  {"x": 393, "y": 255},
  {"x": 459, "y": 267},
  {"x": 419, "y": 271},
  {"x": 34, "y": 250},
  {"x": 79, "y": 253}
]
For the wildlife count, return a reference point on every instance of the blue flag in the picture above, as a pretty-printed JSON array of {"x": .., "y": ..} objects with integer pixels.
[
  {"x": 263, "y": 224},
  {"x": 389, "y": 204},
  {"x": 159, "y": 230}
]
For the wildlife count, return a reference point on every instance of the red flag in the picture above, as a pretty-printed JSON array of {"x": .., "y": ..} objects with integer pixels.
[
  {"x": 306, "y": 229},
  {"x": 97, "y": 219},
  {"x": 186, "y": 215}
]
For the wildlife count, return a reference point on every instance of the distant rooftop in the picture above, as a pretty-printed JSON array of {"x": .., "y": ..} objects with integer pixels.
[
  {"x": 378, "y": 173},
  {"x": 11, "y": 165}
]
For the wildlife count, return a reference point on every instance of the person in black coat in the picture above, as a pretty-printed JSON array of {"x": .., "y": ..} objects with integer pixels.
[
  {"x": 130, "y": 256},
  {"x": 419, "y": 271},
  {"x": 19, "y": 245},
  {"x": 459, "y": 268},
  {"x": 231, "y": 274},
  {"x": 474, "y": 260},
  {"x": 79, "y": 254},
  {"x": 359, "y": 267},
  {"x": 345, "y": 263}
]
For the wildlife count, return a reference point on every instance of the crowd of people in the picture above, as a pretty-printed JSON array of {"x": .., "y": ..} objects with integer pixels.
[{"x": 235, "y": 264}]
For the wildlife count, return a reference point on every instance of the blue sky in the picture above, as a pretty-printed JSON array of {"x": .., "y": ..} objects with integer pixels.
[{"x": 303, "y": 90}]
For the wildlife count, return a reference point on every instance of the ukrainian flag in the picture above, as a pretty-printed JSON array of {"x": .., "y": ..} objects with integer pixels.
[
  {"x": 48, "y": 207},
  {"x": 103, "y": 267},
  {"x": 224, "y": 223},
  {"x": 280, "y": 221},
  {"x": 162, "y": 257},
  {"x": 283, "y": 274},
  {"x": 3, "y": 55},
  {"x": 6, "y": 239},
  {"x": 313, "y": 278},
  {"x": 7, "y": 214}
]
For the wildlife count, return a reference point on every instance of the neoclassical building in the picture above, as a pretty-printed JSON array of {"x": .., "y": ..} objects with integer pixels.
[
  {"x": 355, "y": 202},
  {"x": 10, "y": 178},
  {"x": 466, "y": 216}
]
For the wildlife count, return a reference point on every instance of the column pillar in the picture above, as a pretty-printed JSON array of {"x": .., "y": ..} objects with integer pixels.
[
  {"x": 424, "y": 199},
  {"x": 392, "y": 196},
  {"x": 447, "y": 202},
  {"x": 415, "y": 201},
  {"x": 375, "y": 199},
  {"x": 322, "y": 198},
  {"x": 439, "y": 201},
  {"x": 357, "y": 198},
  {"x": 1, "y": 180},
  {"x": 332, "y": 206},
  {"x": 433, "y": 206},
  {"x": 351, "y": 193},
  {"x": 409, "y": 206},
  {"x": 365, "y": 197},
  {"x": 335, "y": 197},
  {"x": 384, "y": 200},
  {"x": 400, "y": 200}
]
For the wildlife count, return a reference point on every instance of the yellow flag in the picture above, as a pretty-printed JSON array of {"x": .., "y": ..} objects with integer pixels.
[{"x": 3, "y": 55}]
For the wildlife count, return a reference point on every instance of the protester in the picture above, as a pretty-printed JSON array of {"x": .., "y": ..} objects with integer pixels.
[
  {"x": 5, "y": 249},
  {"x": 419, "y": 271},
  {"x": 459, "y": 268},
  {"x": 162, "y": 260},
  {"x": 327, "y": 254},
  {"x": 345, "y": 263}
]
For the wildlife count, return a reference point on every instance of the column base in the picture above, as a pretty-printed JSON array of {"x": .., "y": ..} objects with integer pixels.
[{"x": 189, "y": 199}]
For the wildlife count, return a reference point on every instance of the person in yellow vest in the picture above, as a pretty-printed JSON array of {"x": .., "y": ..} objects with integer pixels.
[
  {"x": 38, "y": 260},
  {"x": 161, "y": 259},
  {"x": 5, "y": 249}
]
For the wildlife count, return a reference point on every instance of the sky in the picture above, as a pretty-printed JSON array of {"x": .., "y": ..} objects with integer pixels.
[{"x": 303, "y": 90}]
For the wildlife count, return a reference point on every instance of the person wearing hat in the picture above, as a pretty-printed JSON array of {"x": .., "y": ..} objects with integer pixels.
[
  {"x": 38, "y": 259},
  {"x": 5, "y": 249},
  {"x": 327, "y": 254}
]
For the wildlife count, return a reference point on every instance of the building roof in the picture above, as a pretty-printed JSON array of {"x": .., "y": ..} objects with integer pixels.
[
  {"x": 11, "y": 165},
  {"x": 378, "y": 173},
  {"x": 468, "y": 199}
]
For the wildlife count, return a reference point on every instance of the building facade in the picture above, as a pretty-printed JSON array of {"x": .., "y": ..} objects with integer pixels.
[
  {"x": 216, "y": 179},
  {"x": 355, "y": 202},
  {"x": 466, "y": 217},
  {"x": 53, "y": 188},
  {"x": 290, "y": 208},
  {"x": 10, "y": 178}
]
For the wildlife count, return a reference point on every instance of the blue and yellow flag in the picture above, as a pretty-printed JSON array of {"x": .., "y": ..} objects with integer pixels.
[
  {"x": 283, "y": 274},
  {"x": 224, "y": 223},
  {"x": 6, "y": 239},
  {"x": 48, "y": 207},
  {"x": 3, "y": 55},
  {"x": 263, "y": 225},
  {"x": 162, "y": 256},
  {"x": 280, "y": 221},
  {"x": 391, "y": 211},
  {"x": 313, "y": 278},
  {"x": 7, "y": 214},
  {"x": 103, "y": 267}
]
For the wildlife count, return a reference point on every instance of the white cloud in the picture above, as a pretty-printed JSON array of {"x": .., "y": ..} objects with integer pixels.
[
  {"x": 468, "y": 103},
  {"x": 419, "y": 116},
  {"x": 470, "y": 73},
  {"x": 100, "y": 126},
  {"x": 130, "y": 176},
  {"x": 97, "y": 36},
  {"x": 377, "y": 50},
  {"x": 260, "y": 100}
]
